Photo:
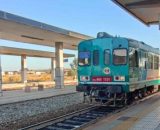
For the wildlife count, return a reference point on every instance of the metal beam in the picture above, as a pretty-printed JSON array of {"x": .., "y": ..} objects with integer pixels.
[{"x": 144, "y": 4}]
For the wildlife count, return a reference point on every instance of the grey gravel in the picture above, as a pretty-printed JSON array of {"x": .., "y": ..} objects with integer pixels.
[{"x": 29, "y": 112}]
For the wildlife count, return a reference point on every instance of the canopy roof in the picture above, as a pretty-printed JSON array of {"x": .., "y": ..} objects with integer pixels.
[
  {"x": 28, "y": 52},
  {"x": 20, "y": 29},
  {"x": 147, "y": 11}
]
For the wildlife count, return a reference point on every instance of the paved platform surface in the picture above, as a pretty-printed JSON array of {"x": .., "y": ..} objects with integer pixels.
[
  {"x": 142, "y": 116},
  {"x": 20, "y": 95}
]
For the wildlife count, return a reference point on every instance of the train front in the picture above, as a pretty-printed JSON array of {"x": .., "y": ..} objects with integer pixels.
[{"x": 103, "y": 69}]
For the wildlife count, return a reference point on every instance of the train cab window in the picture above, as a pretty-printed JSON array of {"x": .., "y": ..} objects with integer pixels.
[
  {"x": 95, "y": 57},
  {"x": 119, "y": 56},
  {"x": 156, "y": 62},
  {"x": 107, "y": 57},
  {"x": 84, "y": 58}
]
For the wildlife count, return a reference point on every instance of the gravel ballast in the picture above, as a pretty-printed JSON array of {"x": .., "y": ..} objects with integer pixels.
[{"x": 21, "y": 114}]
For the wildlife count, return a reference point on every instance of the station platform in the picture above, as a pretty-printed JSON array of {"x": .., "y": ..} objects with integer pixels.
[
  {"x": 144, "y": 115},
  {"x": 21, "y": 95}
]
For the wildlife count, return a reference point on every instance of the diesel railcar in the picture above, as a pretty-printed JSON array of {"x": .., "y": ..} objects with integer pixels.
[{"x": 116, "y": 69}]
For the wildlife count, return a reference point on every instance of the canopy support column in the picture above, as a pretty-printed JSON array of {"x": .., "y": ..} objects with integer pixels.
[
  {"x": 23, "y": 69},
  {"x": 1, "y": 92},
  {"x": 159, "y": 21},
  {"x": 53, "y": 65},
  {"x": 59, "y": 75}
]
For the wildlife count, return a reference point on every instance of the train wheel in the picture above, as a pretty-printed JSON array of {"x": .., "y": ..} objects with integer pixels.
[
  {"x": 140, "y": 96},
  {"x": 144, "y": 92},
  {"x": 158, "y": 87},
  {"x": 129, "y": 98}
]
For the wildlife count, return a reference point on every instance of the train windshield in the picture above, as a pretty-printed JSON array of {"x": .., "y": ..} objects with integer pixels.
[
  {"x": 120, "y": 56},
  {"x": 84, "y": 58}
]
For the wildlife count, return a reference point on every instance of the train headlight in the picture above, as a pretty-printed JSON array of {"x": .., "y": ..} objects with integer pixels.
[
  {"x": 84, "y": 78},
  {"x": 119, "y": 78}
]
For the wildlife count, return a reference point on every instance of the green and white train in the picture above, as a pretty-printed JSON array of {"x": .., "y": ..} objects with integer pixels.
[{"x": 116, "y": 69}]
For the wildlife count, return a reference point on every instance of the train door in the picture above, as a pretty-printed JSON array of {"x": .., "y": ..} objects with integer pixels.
[
  {"x": 143, "y": 65},
  {"x": 133, "y": 64}
]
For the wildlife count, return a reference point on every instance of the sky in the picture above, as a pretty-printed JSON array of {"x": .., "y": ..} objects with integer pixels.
[{"x": 83, "y": 16}]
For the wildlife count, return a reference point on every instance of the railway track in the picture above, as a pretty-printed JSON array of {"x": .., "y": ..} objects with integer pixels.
[{"x": 80, "y": 119}]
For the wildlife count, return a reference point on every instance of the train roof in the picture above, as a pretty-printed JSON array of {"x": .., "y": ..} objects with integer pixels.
[
  {"x": 132, "y": 42},
  {"x": 143, "y": 46}
]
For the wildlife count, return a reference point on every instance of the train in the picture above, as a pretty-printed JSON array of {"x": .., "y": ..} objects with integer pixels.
[{"x": 115, "y": 70}]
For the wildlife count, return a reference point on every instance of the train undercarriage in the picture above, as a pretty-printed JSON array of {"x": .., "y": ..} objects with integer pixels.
[{"x": 114, "y": 96}]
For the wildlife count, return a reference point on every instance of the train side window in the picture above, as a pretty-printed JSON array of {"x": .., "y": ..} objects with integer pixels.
[
  {"x": 150, "y": 61},
  {"x": 156, "y": 62},
  {"x": 136, "y": 60},
  {"x": 145, "y": 64},
  {"x": 143, "y": 60},
  {"x": 106, "y": 57},
  {"x": 146, "y": 59},
  {"x": 133, "y": 57},
  {"x": 95, "y": 57}
]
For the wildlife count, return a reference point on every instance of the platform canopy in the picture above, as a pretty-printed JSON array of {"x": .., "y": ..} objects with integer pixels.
[
  {"x": 147, "y": 11},
  {"x": 20, "y": 29},
  {"x": 28, "y": 52}
]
